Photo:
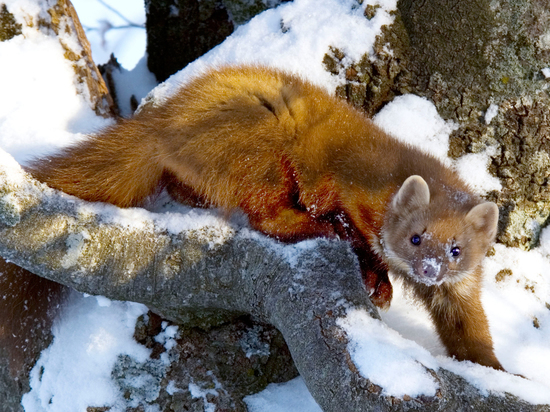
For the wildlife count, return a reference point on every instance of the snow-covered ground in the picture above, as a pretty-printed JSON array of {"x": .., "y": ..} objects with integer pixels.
[{"x": 40, "y": 112}]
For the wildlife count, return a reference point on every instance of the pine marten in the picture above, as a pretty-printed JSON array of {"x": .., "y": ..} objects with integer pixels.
[{"x": 302, "y": 164}]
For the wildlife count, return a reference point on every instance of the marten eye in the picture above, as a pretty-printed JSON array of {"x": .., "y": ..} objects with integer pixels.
[
  {"x": 455, "y": 251},
  {"x": 416, "y": 240}
]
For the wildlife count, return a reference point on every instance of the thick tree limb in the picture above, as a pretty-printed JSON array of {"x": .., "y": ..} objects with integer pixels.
[{"x": 209, "y": 273}]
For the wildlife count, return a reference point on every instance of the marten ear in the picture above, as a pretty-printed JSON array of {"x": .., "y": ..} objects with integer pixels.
[
  {"x": 484, "y": 218},
  {"x": 414, "y": 193}
]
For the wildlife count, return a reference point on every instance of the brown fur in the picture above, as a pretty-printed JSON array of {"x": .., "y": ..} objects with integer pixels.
[{"x": 301, "y": 163}]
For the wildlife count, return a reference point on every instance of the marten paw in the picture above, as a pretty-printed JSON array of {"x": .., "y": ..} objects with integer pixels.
[{"x": 380, "y": 292}]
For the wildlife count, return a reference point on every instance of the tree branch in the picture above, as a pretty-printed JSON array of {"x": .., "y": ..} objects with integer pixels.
[{"x": 209, "y": 273}]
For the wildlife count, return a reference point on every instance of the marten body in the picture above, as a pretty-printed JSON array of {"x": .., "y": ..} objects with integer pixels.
[{"x": 301, "y": 164}]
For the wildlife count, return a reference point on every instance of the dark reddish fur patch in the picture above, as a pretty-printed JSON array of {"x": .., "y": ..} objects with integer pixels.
[{"x": 183, "y": 193}]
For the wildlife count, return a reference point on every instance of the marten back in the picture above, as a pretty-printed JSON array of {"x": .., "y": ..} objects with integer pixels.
[{"x": 221, "y": 118}]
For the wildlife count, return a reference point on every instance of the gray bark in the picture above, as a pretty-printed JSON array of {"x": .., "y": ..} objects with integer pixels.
[{"x": 208, "y": 274}]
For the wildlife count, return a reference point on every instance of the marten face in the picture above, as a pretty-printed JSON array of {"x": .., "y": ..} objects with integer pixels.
[
  {"x": 438, "y": 240},
  {"x": 432, "y": 248}
]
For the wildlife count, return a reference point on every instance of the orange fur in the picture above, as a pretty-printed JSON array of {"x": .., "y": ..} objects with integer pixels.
[{"x": 300, "y": 163}]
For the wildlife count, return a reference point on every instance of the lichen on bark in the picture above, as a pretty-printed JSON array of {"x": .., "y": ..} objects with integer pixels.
[
  {"x": 519, "y": 137},
  {"x": 9, "y": 28},
  {"x": 374, "y": 80}
]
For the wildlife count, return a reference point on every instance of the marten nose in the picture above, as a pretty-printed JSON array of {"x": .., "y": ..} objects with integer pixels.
[
  {"x": 430, "y": 268},
  {"x": 429, "y": 271}
]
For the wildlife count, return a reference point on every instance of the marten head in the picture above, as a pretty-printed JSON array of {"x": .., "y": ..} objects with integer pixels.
[{"x": 436, "y": 240}]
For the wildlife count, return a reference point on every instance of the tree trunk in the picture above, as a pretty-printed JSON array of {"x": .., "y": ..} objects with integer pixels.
[
  {"x": 58, "y": 18},
  {"x": 180, "y": 31}
]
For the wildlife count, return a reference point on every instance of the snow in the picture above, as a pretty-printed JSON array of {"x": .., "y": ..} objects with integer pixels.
[
  {"x": 386, "y": 359},
  {"x": 75, "y": 371},
  {"x": 491, "y": 113},
  {"x": 136, "y": 82},
  {"x": 292, "y": 37},
  {"x": 75, "y": 243},
  {"x": 291, "y": 396},
  {"x": 414, "y": 120},
  {"x": 198, "y": 392},
  {"x": 40, "y": 112},
  {"x": 488, "y": 379},
  {"x": 172, "y": 218},
  {"x": 167, "y": 337},
  {"x": 41, "y": 95},
  {"x": 481, "y": 181},
  {"x": 411, "y": 320}
]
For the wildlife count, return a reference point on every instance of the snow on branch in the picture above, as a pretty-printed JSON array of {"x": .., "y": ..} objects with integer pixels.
[{"x": 311, "y": 291}]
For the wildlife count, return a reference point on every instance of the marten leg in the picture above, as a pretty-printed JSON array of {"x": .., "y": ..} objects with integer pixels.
[
  {"x": 375, "y": 276},
  {"x": 278, "y": 210},
  {"x": 462, "y": 325},
  {"x": 373, "y": 269},
  {"x": 276, "y": 213}
]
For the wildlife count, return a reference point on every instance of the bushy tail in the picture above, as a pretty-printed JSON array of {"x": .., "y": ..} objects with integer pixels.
[{"x": 118, "y": 166}]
